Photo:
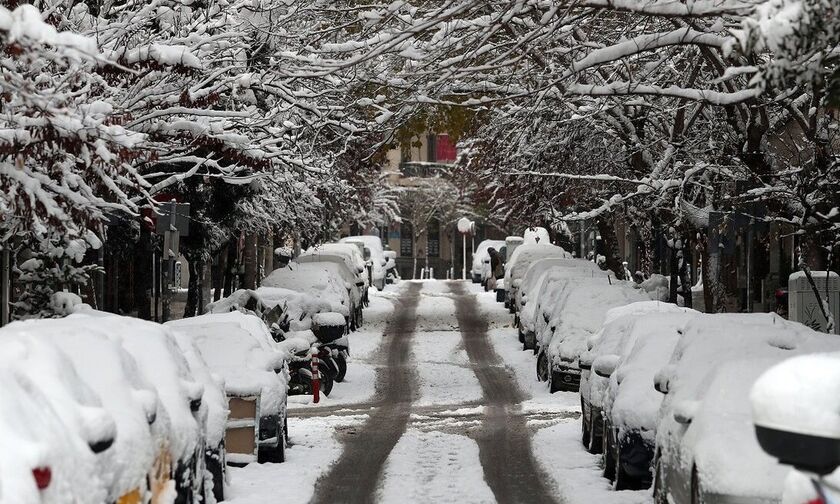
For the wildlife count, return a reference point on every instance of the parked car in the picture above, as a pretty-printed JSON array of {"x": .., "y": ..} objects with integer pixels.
[
  {"x": 631, "y": 404},
  {"x": 47, "y": 375},
  {"x": 578, "y": 314},
  {"x": 214, "y": 414},
  {"x": 519, "y": 262},
  {"x": 797, "y": 421},
  {"x": 355, "y": 283},
  {"x": 42, "y": 461},
  {"x": 239, "y": 348},
  {"x": 352, "y": 255},
  {"x": 531, "y": 286},
  {"x": 616, "y": 336},
  {"x": 706, "y": 447},
  {"x": 133, "y": 464},
  {"x": 321, "y": 280},
  {"x": 283, "y": 310},
  {"x": 480, "y": 255},
  {"x": 378, "y": 260},
  {"x": 163, "y": 365}
]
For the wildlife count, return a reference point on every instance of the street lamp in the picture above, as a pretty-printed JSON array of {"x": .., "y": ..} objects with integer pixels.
[{"x": 465, "y": 226}]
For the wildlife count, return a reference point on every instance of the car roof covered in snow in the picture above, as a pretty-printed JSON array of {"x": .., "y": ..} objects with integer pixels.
[
  {"x": 632, "y": 401},
  {"x": 613, "y": 336},
  {"x": 240, "y": 348},
  {"x": 161, "y": 361},
  {"x": 320, "y": 280},
  {"x": 46, "y": 364},
  {"x": 481, "y": 254},
  {"x": 581, "y": 311},
  {"x": 525, "y": 255}
]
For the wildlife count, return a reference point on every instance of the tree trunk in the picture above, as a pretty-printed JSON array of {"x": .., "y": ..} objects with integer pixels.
[
  {"x": 230, "y": 265},
  {"x": 196, "y": 268},
  {"x": 143, "y": 275},
  {"x": 250, "y": 260},
  {"x": 610, "y": 251},
  {"x": 206, "y": 280},
  {"x": 220, "y": 270}
]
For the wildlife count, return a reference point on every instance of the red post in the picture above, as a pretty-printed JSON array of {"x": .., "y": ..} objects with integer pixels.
[{"x": 316, "y": 380}]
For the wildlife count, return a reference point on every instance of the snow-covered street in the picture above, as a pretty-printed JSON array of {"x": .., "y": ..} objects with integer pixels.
[{"x": 441, "y": 405}]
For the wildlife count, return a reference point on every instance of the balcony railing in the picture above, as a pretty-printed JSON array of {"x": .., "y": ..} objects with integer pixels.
[{"x": 424, "y": 169}]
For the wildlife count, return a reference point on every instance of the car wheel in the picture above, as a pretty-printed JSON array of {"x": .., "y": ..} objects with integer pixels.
[
  {"x": 696, "y": 493},
  {"x": 596, "y": 443},
  {"x": 542, "y": 367},
  {"x": 607, "y": 457},
  {"x": 660, "y": 496},
  {"x": 554, "y": 383},
  {"x": 622, "y": 480},
  {"x": 286, "y": 429},
  {"x": 584, "y": 438},
  {"x": 215, "y": 463},
  {"x": 326, "y": 384},
  {"x": 341, "y": 362}
]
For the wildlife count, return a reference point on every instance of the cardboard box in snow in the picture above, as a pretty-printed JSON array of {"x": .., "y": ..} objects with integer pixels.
[{"x": 803, "y": 306}]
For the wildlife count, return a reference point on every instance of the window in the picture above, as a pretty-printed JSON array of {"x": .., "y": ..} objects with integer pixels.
[
  {"x": 406, "y": 240},
  {"x": 433, "y": 242},
  {"x": 445, "y": 151}
]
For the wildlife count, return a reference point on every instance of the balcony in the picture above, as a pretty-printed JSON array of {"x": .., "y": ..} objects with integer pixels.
[{"x": 423, "y": 169}]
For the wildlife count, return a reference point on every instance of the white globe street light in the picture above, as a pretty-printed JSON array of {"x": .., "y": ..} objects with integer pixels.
[{"x": 465, "y": 226}]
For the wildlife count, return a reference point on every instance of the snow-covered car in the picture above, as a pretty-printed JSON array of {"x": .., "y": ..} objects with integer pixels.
[
  {"x": 92, "y": 430},
  {"x": 529, "y": 290},
  {"x": 796, "y": 412},
  {"x": 614, "y": 337},
  {"x": 290, "y": 310},
  {"x": 321, "y": 280},
  {"x": 378, "y": 260},
  {"x": 132, "y": 465},
  {"x": 355, "y": 284},
  {"x": 519, "y": 262},
  {"x": 349, "y": 252},
  {"x": 706, "y": 446},
  {"x": 162, "y": 364},
  {"x": 239, "y": 348},
  {"x": 631, "y": 404},
  {"x": 42, "y": 460},
  {"x": 214, "y": 414},
  {"x": 480, "y": 256},
  {"x": 578, "y": 313}
]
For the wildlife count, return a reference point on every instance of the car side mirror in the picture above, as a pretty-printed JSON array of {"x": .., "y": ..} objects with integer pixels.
[
  {"x": 800, "y": 429},
  {"x": 604, "y": 365},
  {"x": 585, "y": 362},
  {"x": 661, "y": 380},
  {"x": 684, "y": 412}
]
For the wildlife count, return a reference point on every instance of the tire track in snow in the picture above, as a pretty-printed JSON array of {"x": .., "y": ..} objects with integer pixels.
[
  {"x": 354, "y": 477},
  {"x": 504, "y": 441}
]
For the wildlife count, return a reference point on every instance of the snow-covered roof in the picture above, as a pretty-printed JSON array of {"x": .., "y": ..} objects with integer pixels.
[{"x": 632, "y": 401}]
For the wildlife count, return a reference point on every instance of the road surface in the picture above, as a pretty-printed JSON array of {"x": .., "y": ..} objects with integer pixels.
[{"x": 431, "y": 328}]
